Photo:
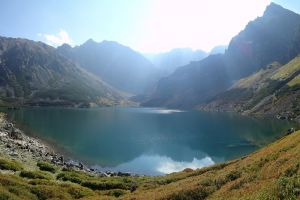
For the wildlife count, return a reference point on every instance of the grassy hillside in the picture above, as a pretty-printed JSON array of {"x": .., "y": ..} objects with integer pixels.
[
  {"x": 270, "y": 173},
  {"x": 274, "y": 90}
]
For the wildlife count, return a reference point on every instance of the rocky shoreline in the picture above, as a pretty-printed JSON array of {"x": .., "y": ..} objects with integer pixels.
[{"x": 15, "y": 144}]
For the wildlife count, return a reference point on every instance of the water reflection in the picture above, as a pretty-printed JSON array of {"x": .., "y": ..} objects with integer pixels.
[
  {"x": 168, "y": 140},
  {"x": 158, "y": 165}
]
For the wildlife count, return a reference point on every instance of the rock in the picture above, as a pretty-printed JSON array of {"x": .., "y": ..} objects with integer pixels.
[
  {"x": 290, "y": 131},
  {"x": 123, "y": 174},
  {"x": 81, "y": 166},
  {"x": 61, "y": 158},
  {"x": 14, "y": 154},
  {"x": 16, "y": 134}
]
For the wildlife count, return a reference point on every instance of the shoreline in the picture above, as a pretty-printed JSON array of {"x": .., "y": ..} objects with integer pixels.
[{"x": 17, "y": 145}]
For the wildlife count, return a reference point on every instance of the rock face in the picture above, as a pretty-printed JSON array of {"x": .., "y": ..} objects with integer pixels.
[
  {"x": 118, "y": 65},
  {"x": 274, "y": 90},
  {"x": 272, "y": 37},
  {"x": 36, "y": 74},
  {"x": 168, "y": 62}
]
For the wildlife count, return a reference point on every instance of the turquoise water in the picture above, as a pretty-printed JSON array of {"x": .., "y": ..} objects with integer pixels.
[{"x": 148, "y": 141}]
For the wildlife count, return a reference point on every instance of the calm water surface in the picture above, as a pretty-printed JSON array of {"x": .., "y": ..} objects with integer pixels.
[{"x": 148, "y": 141}]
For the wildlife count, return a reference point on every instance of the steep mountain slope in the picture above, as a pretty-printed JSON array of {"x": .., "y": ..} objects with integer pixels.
[
  {"x": 272, "y": 37},
  {"x": 34, "y": 73},
  {"x": 274, "y": 90},
  {"x": 114, "y": 63},
  {"x": 169, "y": 61},
  {"x": 189, "y": 84},
  {"x": 218, "y": 49}
]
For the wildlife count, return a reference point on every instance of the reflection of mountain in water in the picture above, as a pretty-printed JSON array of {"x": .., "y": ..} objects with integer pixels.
[
  {"x": 113, "y": 137},
  {"x": 158, "y": 165}
]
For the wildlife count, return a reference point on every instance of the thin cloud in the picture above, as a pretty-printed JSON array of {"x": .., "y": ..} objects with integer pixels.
[{"x": 62, "y": 37}]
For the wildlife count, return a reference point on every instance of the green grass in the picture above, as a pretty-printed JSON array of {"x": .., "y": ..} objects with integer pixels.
[
  {"x": 6, "y": 164},
  {"x": 45, "y": 166},
  {"x": 270, "y": 173},
  {"x": 36, "y": 175},
  {"x": 288, "y": 69},
  {"x": 295, "y": 81}
]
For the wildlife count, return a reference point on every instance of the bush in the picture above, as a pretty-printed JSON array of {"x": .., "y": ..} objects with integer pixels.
[
  {"x": 116, "y": 192},
  {"x": 10, "y": 165},
  {"x": 288, "y": 187},
  {"x": 198, "y": 193},
  {"x": 41, "y": 182},
  {"x": 45, "y": 166},
  {"x": 97, "y": 185},
  {"x": 231, "y": 176},
  {"x": 5, "y": 195},
  {"x": 44, "y": 192},
  {"x": 21, "y": 191},
  {"x": 35, "y": 175},
  {"x": 292, "y": 170},
  {"x": 73, "y": 176},
  {"x": 76, "y": 191}
]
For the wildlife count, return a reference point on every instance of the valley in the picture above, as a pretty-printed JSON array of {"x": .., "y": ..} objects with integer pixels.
[{"x": 101, "y": 120}]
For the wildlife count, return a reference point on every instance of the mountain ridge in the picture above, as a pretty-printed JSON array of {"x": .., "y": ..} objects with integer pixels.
[
  {"x": 116, "y": 64},
  {"x": 269, "y": 38},
  {"x": 33, "y": 73}
]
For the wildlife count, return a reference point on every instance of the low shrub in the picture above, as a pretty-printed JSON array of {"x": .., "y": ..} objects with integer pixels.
[
  {"x": 74, "y": 176},
  {"x": 45, "y": 166},
  {"x": 35, "y": 175},
  {"x": 292, "y": 170},
  {"x": 198, "y": 193},
  {"x": 44, "y": 192},
  {"x": 288, "y": 187},
  {"x": 98, "y": 185},
  {"x": 77, "y": 191},
  {"x": 231, "y": 176},
  {"x": 6, "y": 195},
  {"x": 7, "y": 164},
  {"x": 116, "y": 192}
]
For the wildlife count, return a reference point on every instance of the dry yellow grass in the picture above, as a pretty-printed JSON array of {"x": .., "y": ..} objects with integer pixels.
[
  {"x": 270, "y": 173},
  {"x": 288, "y": 69},
  {"x": 295, "y": 81},
  {"x": 257, "y": 176}
]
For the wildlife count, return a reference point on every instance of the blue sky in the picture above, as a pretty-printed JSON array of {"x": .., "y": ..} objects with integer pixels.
[{"x": 144, "y": 25}]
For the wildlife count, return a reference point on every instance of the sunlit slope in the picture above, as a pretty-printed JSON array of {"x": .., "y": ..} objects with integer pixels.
[
  {"x": 274, "y": 90},
  {"x": 272, "y": 37},
  {"x": 270, "y": 173}
]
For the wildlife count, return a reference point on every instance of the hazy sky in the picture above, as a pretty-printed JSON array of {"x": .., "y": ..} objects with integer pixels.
[{"x": 144, "y": 25}]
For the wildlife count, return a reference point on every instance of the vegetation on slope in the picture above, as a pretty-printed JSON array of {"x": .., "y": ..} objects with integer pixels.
[
  {"x": 272, "y": 37},
  {"x": 36, "y": 74},
  {"x": 270, "y": 173},
  {"x": 274, "y": 90}
]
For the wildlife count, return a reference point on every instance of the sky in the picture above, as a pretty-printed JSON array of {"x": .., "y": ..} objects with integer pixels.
[{"x": 147, "y": 26}]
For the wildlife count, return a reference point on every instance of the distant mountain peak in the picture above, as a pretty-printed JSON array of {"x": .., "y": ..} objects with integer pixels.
[
  {"x": 275, "y": 9},
  {"x": 65, "y": 46},
  {"x": 89, "y": 42}
]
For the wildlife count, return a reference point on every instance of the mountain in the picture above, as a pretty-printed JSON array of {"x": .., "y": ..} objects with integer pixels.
[
  {"x": 36, "y": 74},
  {"x": 118, "y": 65},
  {"x": 272, "y": 37},
  {"x": 218, "y": 49},
  {"x": 274, "y": 90},
  {"x": 167, "y": 62}
]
